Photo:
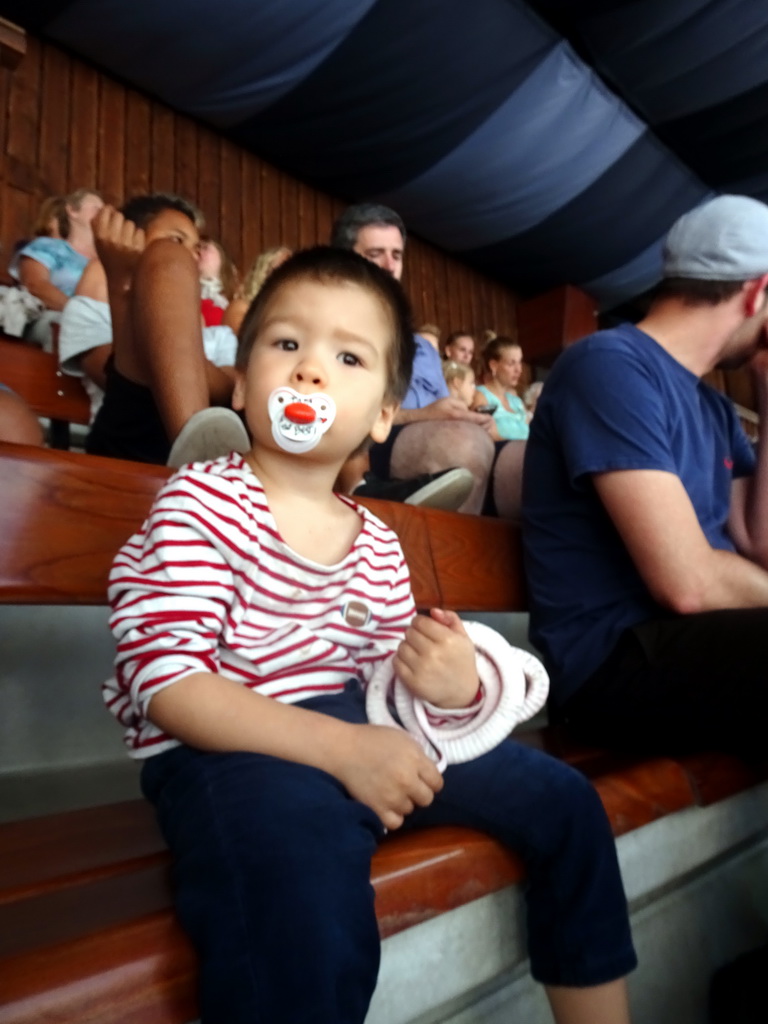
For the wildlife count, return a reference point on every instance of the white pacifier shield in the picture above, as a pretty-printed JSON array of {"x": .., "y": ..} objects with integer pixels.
[{"x": 299, "y": 421}]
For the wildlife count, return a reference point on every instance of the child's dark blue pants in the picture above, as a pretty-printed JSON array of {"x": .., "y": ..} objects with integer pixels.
[{"x": 272, "y": 873}]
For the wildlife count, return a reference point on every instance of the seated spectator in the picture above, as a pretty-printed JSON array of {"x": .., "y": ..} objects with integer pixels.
[
  {"x": 244, "y": 696},
  {"x": 430, "y": 333},
  {"x": 433, "y": 432},
  {"x": 254, "y": 281},
  {"x": 645, "y": 522},
  {"x": 503, "y": 365},
  {"x": 460, "y": 379},
  {"x": 85, "y": 341},
  {"x": 460, "y": 347},
  {"x": 52, "y": 219},
  {"x": 18, "y": 423},
  {"x": 18, "y": 308},
  {"x": 218, "y": 281},
  {"x": 50, "y": 267},
  {"x": 157, "y": 376}
]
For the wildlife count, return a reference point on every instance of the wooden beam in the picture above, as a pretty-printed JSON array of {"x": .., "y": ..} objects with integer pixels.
[
  {"x": 13, "y": 44},
  {"x": 549, "y": 323}
]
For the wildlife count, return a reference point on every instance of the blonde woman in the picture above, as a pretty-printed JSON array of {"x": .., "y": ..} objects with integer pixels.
[
  {"x": 253, "y": 283},
  {"x": 503, "y": 365}
]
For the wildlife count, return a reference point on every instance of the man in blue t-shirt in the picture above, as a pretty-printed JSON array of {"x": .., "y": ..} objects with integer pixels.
[{"x": 645, "y": 508}]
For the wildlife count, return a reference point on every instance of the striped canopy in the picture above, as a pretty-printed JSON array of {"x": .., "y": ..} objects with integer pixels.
[{"x": 544, "y": 142}]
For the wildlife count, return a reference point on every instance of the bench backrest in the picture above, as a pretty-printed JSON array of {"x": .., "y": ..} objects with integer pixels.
[
  {"x": 63, "y": 516},
  {"x": 37, "y": 377}
]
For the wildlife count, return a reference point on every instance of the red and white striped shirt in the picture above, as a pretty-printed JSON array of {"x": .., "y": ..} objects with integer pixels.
[{"x": 208, "y": 584}]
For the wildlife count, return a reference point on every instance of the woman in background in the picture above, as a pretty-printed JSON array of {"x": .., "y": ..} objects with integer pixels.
[{"x": 503, "y": 366}]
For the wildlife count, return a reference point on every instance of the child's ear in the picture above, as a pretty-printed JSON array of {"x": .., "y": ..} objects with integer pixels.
[
  {"x": 380, "y": 430},
  {"x": 238, "y": 392}
]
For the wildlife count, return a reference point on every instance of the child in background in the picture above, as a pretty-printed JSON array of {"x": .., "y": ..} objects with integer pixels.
[
  {"x": 249, "y": 613},
  {"x": 218, "y": 281},
  {"x": 460, "y": 378},
  {"x": 253, "y": 283}
]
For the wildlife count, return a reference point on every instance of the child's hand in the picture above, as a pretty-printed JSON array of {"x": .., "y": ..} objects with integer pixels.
[
  {"x": 436, "y": 661},
  {"x": 386, "y": 769},
  {"x": 119, "y": 243}
]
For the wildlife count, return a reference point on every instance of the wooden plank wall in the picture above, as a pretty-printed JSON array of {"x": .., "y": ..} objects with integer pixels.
[{"x": 64, "y": 124}]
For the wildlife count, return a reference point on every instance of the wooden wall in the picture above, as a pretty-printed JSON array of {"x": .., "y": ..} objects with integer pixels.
[{"x": 64, "y": 125}]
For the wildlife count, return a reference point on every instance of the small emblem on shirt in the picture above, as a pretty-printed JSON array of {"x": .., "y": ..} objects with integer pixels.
[
  {"x": 356, "y": 614},
  {"x": 728, "y": 463}
]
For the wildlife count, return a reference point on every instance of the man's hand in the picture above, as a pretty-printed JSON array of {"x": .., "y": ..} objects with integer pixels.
[
  {"x": 387, "y": 770},
  {"x": 436, "y": 660},
  {"x": 119, "y": 243},
  {"x": 445, "y": 409}
]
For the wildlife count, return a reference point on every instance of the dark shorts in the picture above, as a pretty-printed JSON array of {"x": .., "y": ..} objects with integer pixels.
[
  {"x": 681, "y": 683},
  {"x": 128, "y": 424}
]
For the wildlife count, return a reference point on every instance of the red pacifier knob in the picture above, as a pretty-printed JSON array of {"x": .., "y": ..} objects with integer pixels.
[{"x": 300, "y": 412}]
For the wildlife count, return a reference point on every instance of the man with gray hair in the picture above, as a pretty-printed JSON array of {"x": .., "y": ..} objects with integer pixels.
[
  {"x": 433, "y": 432},
  {"x": 645, "y": 508}
]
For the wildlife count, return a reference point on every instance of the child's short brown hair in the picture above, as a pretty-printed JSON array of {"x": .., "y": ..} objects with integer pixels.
[{"x": 327, "y": 265}]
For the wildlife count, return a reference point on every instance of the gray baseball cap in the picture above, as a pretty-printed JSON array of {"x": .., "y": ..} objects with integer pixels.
[{"x": 724, "y": 239}]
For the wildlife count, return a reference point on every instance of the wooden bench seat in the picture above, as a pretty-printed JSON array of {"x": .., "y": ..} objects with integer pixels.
[{"x": 86, "y": 928}]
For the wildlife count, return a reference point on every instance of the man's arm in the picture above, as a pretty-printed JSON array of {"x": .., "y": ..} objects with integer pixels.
[
  {"x": 657, "y": 522},
  {"x": 443, "y": 409}
]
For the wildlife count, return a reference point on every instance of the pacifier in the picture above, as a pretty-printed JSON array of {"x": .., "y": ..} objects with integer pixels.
[{"x": 299, "y": 421}]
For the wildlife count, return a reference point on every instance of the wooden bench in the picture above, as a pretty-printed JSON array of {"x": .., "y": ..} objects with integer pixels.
[
  {"x": 86, "y": 928},
  {"x": 49, "y": 392}
]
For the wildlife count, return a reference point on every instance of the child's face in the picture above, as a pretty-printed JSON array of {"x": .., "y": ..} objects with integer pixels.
[
  {"x": 329, "y": 338},
  {"x": 467, "y": 388},
  {"x": 463, "y": 388},
  {"x": 209, "y": 260}
]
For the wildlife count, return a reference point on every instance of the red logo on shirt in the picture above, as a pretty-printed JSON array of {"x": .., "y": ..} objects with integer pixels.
[{"x": 728, "y": 463}]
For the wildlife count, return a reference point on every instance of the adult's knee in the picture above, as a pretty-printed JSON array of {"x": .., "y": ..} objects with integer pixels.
[
  {"x": 442, "y": 444},
  {"x": 508, "y": 480}
]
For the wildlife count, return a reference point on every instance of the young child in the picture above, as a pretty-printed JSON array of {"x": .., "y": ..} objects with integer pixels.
[
  {"x": 249, "y": 613},
  {"x": 460, "y": 378}
]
